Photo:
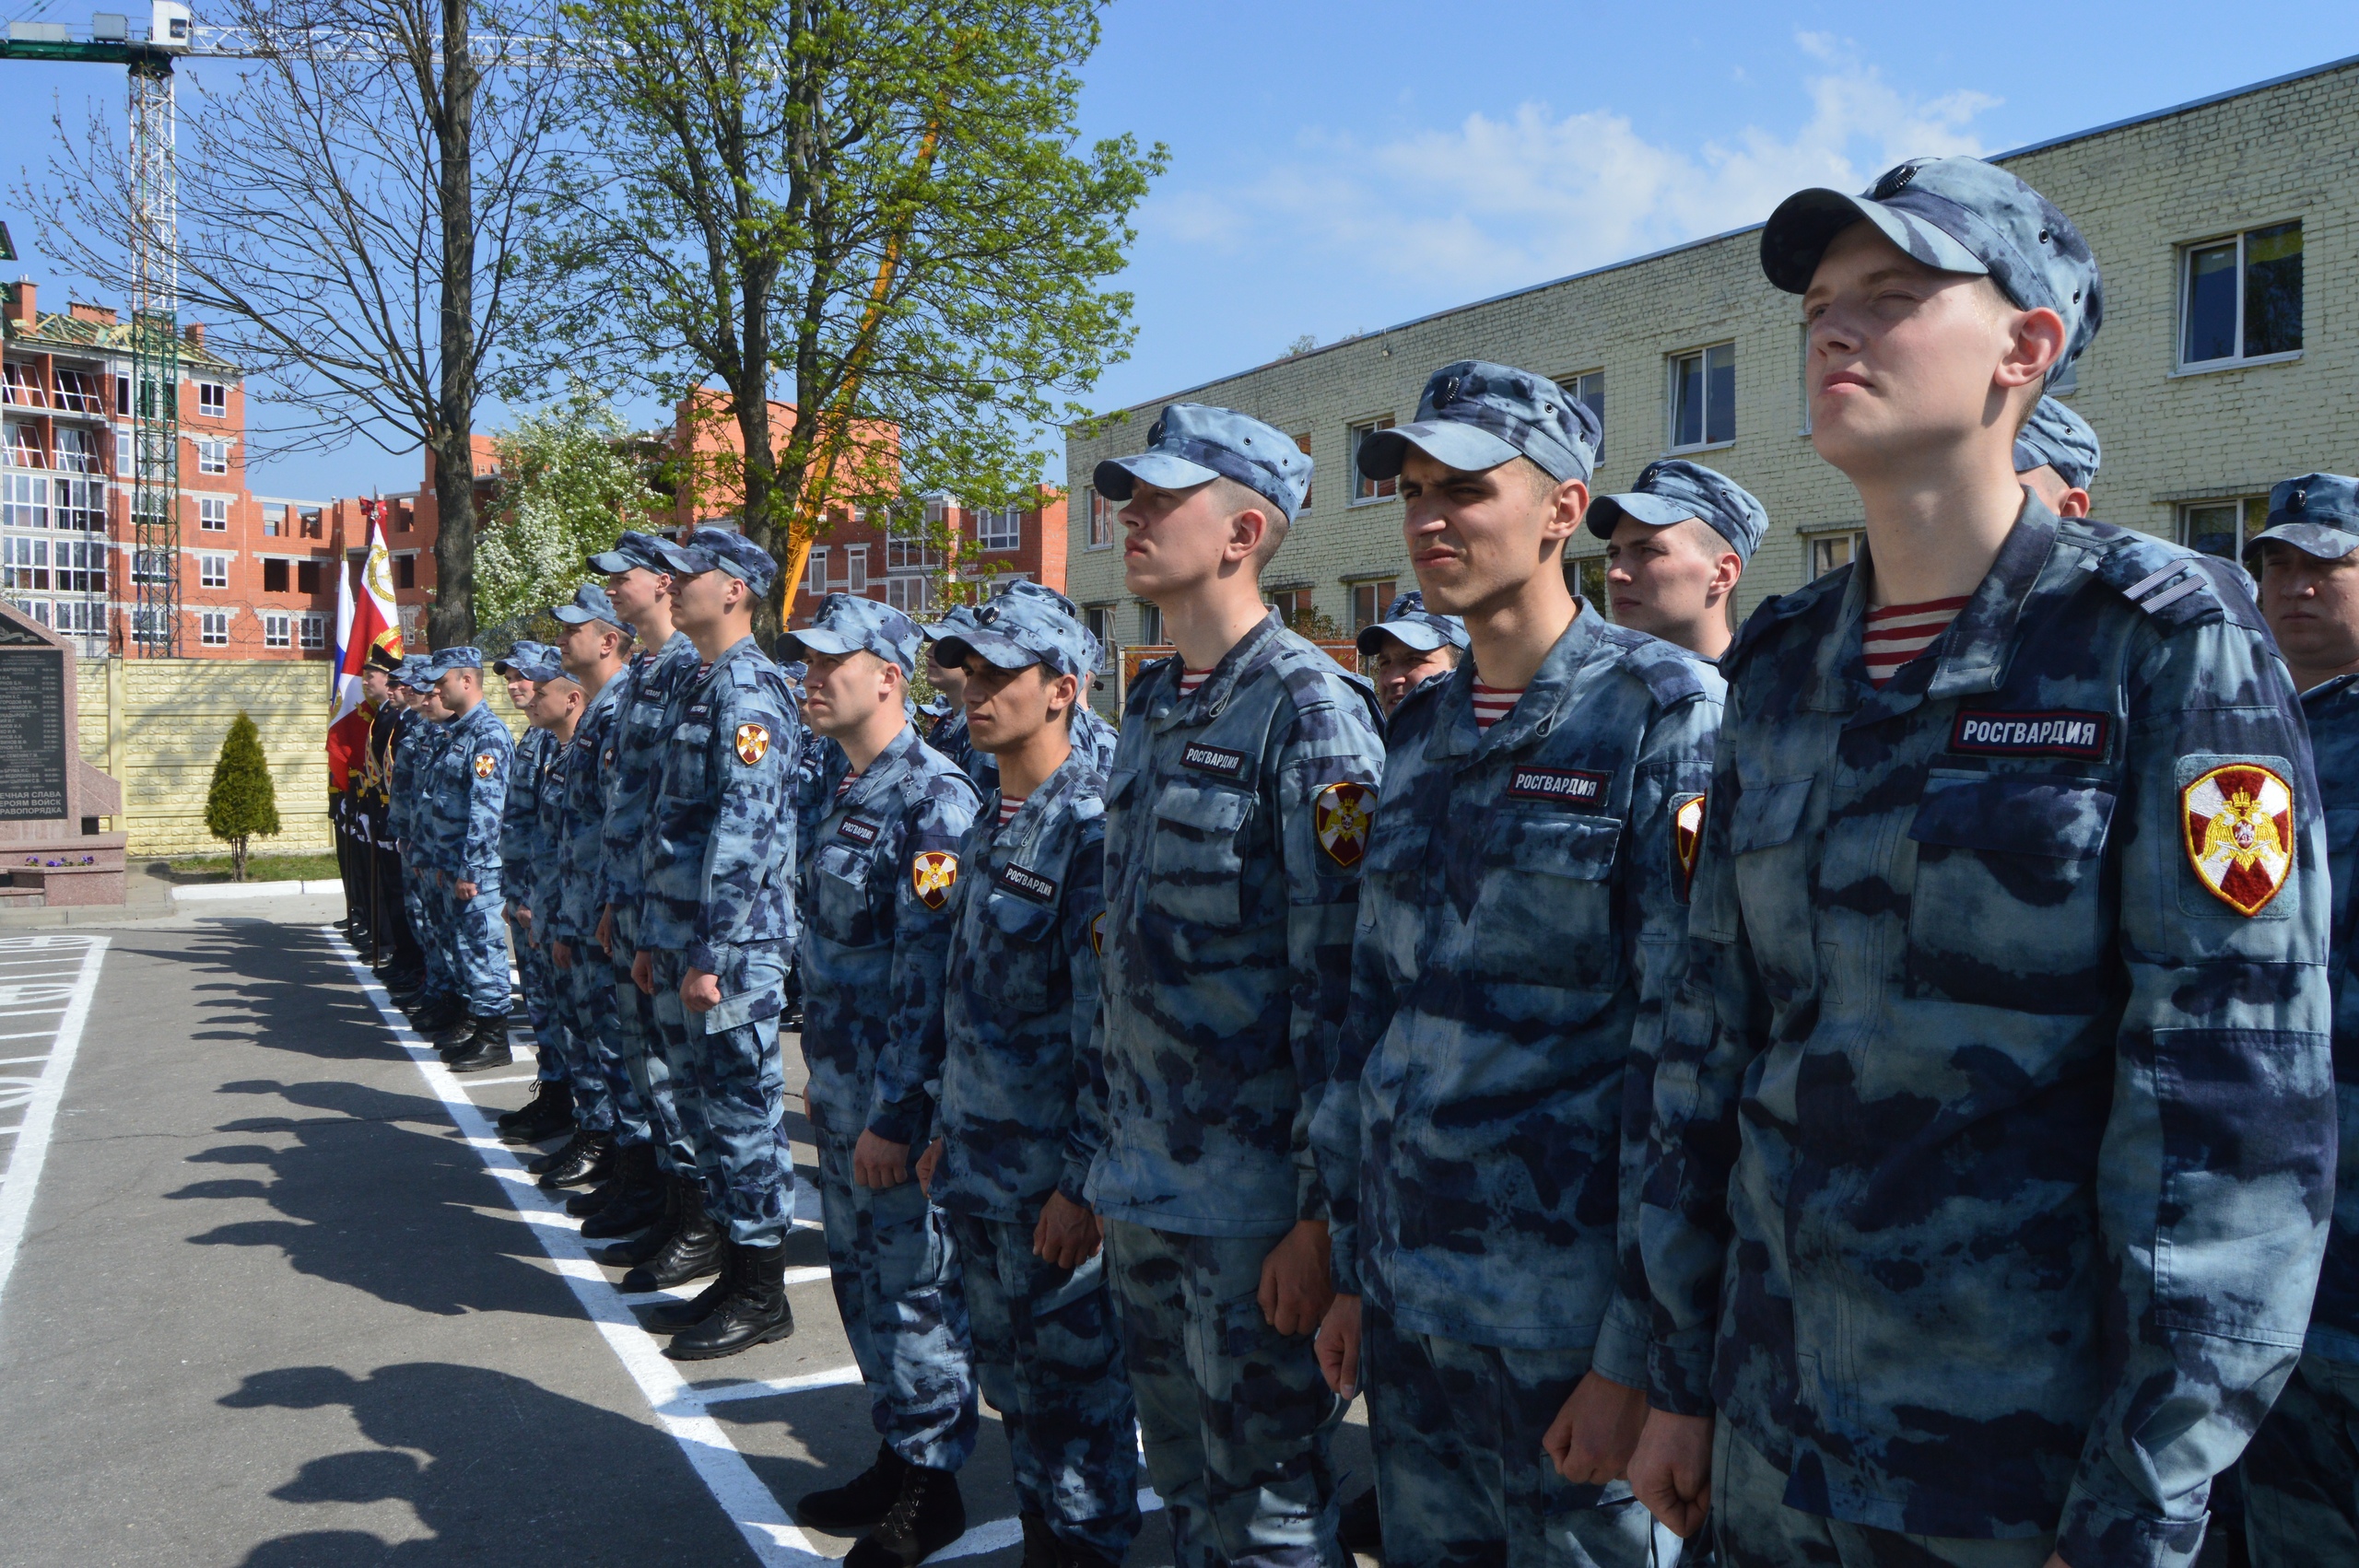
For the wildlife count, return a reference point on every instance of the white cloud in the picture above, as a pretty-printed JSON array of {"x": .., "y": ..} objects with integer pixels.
[{"x": 1493, "y": 203}]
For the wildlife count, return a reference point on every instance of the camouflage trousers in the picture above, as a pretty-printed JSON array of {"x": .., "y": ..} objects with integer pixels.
[
  {"x": 2301, "y": 1471},
  {"x": 605, "y": 1098},
  {"x": 422, "y": 901},
  {"x": 631, "y": 1042},
  {"x": 478, "y": 939},
  {"x": 1461, "y": 1479},
  {"x": 1048, "y": 1355},
  {"x": 729, "y": 1089},
  {"x": 897, "y": 1287},
  {"x": 1752, "y": 1528},
  {"x": 543, "y": 1001},
  {"x": 1237, "y": 1422}
]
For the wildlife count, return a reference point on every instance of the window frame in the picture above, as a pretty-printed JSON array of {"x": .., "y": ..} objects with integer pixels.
[
  {"x": 277, "y": 629},
  {"x": 990, "y": 519},
  {"x": 209, "y": 507},
  {"x": 1701, "y": 352},
  {"x": 1380, "y": 592},
  {"x": 1098, "y": 519},
  {"x": 212, "y": 454},
  {"x": 2252, "y": 516},
  {"x": 213, "y": 628},
  {"x": 1367, "y": 492},
  {"x": 207, "y": 576},
  {"x": 312, "y": 629},
  {"x": 1151, "y": 625},
  {"x": 2239, "y": 237},
  {"x": 213, "y": 399},
  {"x": 1571, "y": 387},
  {"x": 1820, "y": 544}
]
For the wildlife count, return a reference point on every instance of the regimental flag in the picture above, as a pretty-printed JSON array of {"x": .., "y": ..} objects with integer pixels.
[
  {"x": 364, "y": 621},
  {"x": 2239, "y": 821}
]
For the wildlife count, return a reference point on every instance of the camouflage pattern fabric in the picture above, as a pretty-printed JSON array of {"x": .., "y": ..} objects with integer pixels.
[
  {"x": 1237, "y": 1423},
  {"x": 1753, "y": 1525},
  {"x": 468, "y": 788},
  {"x": 524, "y": 847},
  {"x": 728, "y": 1087},
  {"x": 2014, "y": 1130},
  {"x": 1048, "y": 1355},
  {"x": 2331, "y": 711},
  {"x": 537, "y": 886},
  {"x": 897, "y": 1280},
  {"x": 1461, "y": 1475},
  {"x": 573, "y": 887},
  {"x": 2301, "y": 1474},
  {"x": 1023, "y": 1103},
  {"x": 1228, "y": 944}
]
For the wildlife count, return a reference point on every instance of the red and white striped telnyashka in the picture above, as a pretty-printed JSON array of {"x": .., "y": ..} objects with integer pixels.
[
  {"x": 1898, "y": 633},
  {"x": 1008, "y": 806},
  {"x": 1491, "y": 704},
  {"x": 1190, "y": 680}
]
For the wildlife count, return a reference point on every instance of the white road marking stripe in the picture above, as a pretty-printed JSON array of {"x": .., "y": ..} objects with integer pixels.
[
  {"x": 763, "y": 1389},
  {"x": 764, "y": 1523},
  {"x": 41, "y": 1112},
  {"x": 488, "y": 1083}
]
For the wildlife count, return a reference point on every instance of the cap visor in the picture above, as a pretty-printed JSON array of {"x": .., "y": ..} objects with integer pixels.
[
  {"x": 685, "y": 561},
  {"x": 1162, "y": 470},
  {"x": 818, "y": 639},
  {"x": 1805, "y": 223},
  {"x": 2310, "y": 538},
  {"x": 1607, "y": 512},
  {"x": 1408, "y": 634},
  {"x": 1461, "y": 447},
  {"x": 610, "y": 562},
  {"x": 1000, "y": 652}
]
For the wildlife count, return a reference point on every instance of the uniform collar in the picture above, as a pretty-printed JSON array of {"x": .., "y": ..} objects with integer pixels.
[
  {"x": 1534, "y": 714},
  {"x": 2330, "y": 691},
  {"x": 1211, "y": 699},
  {"x": 729, "y": 655},
  {"x": 886, "y": 771},
  {"x": 1066, "y": 780}
]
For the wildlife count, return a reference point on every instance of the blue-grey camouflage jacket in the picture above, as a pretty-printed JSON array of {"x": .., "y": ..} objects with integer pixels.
[
  {"x": 1023, "y": 1101},
  {"x": 468, "y": 791},
  {"x": 2332, "y": 710},
  {"x": 1996, "y": 1137},
  {"x": 1522, "y": 917},
  {"x": 539, "y": 883},
  {"x": 877, "y": 937},
  {"x": 522, "y": 846},
  {"x": 719, "y": 869},
  {"x": 1232, "y": 872},
  {"x": 641, "y": 730},
  {"x": 415, "y": 750},
  {"x": 578, "y": 857}
]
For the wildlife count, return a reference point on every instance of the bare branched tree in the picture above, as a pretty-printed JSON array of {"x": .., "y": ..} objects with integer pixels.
[{"x": 350, "y": 202}]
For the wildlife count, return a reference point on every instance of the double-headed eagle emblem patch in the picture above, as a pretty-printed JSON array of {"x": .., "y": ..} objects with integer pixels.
[{"x": 2238, "y": 823}]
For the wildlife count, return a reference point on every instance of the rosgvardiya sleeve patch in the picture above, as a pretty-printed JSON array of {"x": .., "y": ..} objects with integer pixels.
[
  {"x": 486, "y": 763},
  {"x": 2237, "y": 824},
  {"x": 933, "y": 874},
  {"x": 1341, "y": 814},
  {"x": 753, "y": 743},
  {"x": 1687, "y": 839}
]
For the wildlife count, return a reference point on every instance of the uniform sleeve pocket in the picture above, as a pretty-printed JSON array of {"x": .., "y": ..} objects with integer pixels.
[
  {"x": 1768, "y": 815},
  {"x": 2019, "y": 816}
]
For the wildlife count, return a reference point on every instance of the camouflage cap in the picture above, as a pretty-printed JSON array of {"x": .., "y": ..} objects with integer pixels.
[
  {"x": 1956, "y": 215},
  {"x": 1675, "y": 490},
  {"x": 589, "y": 604},
  {"x": 847, "y": 625},
  {"x": 1475, "y": 415},
  {"x": 955, "y": 620},
  {"x": 1408, "y": 622},
  {"x": 1026, "y": 625},
  {"x": 446, "y": 660},
  {"x": 720, "y": 549},
  {"x": 2317, "y": 514},
  {"x": 1194, "y": 443},
  {"x": 633, "y": 549},
  {"x": 413, "y": 672},
  {"x": 2054, "y": 437},
  {"x": 529, "y": 662}
]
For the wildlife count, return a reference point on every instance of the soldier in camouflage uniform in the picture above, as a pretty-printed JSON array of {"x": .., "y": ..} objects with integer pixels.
[
  {"x": 1995, "y": 1118},
  {"x": 2301, "y": 1474},
  {"x": 1522, "y": 920},
  {"x": 411, "y": 986},
  {"x": 716, "y": 920},
  {"x": 944, "y": 720},
  {"x": 2056, "y": 454},
  {"x": 1676, "y": 547},
  {"x": 467, "y": 790},
  {"x": 1092, "y": 736},
  {"x": 440, "y": 1003},
  {"x": 876, "y": 938},
  {"x": 567, "y": 1093},
  {"x": 1231, "y": 882},
  {"x": 522, "y": 850},
  {"x": 1021, "y": 1102},
  {"x": 1408, "y": 648}
]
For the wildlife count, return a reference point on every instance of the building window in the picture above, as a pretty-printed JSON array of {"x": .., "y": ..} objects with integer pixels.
[
  {"x": 211, "y": 455},
  {"x": 82, "y": 504},
  {"x": 274, "y": 577},
  {"x": 309, "y": 517},
  {"x": 1151, "y": 625},
  {"x": 24, "y": 447},
  {"x": 909, "y": 541},
  {"x": 1588, "y": 390},
  {"x": 1000, "y": 528},
  {"x": 1703, "y": 397},
  {"x": 276, "y": 632},
  {"x": 315, "y": 632},
  {"x": 404, "y": 571},
  {"x": 910, "y": 595},
  {"x": 2223, "y": 528},
  {"x": 1363, "y": 487},
  {"x": 274, "y": 519},
  {"x": 815, "y": 575},
  {"x": 213, "y": 571},
  {"x": 77, "y": 450},
  {"x": 24, "y": 501},
  {"x": 213, "y": 513},
  {"x": 212, "y": 627},
  {"x": 2241, "y": 298},
  {"x": 1829, "y": 551},
  {"x": 81, "y": 566},
  {"x": 1100, "y": 512},
  {"x": 1303, "y": 441},
  {"x": 1100, "y": 618},
  {"x": 78, "y": 392},
  {"x": 24, "y": 562},
  {"x": 1587, "y": 576},
  {"x": 122, "y": 396},
  {"x": 81, "y": 617},
  {"x": 151, "y": 566},
  {"x": 856, "y": 569},
  {"x": 307, "y": 577},
  {"x": 1369, "y": 600},
  {"x": 20, "y": 388},
  {"x": 1293, "y": 605},
  {"x": 213, "y": 400}
]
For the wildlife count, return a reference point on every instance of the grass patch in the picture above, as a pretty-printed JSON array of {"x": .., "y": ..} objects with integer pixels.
[{"x": 259, "y": 868}]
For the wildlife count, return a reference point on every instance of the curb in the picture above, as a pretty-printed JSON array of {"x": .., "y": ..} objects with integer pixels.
[{"x": 203, "y": 892}]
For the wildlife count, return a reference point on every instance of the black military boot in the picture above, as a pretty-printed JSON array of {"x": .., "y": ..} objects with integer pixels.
[
  {"x": 1040, "y": 1543},
  {"x": 682, "y": 1315},
  {"x": 429, "y": 1015},
  {"x": 754, "y": 1312},
  {"x": 593, "y": 1159},
  {"x": 694, "y": 1249},
  {"x": 546, "y": 1114},
  {"x": 927, "y": 1517},
  {"x": 640, "y": 1202},
  {"x": 457, "y": 1032},
  {"x": 630, "y": 1254},
  {"x": 581, "y": 1205},
  {"x": 861, "y": 1502},
  {"x": 485, "y": 1047},
  {"x": 1359, "y": 1529},
  {"x": 540, "y": 1165}
]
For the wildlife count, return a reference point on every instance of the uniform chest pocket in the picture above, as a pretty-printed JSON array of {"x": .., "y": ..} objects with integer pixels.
[
  {"x": 1545, "y": 912},
  {"x": 2010, "y": 906},
  {"x": 839, "y": 904},
  {"x": 684, "y": 766},
  {"x": 1014, "y": 970},
  {"x": 1194, "y": 871}
]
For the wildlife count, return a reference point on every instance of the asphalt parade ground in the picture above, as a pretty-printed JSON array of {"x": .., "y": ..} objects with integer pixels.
[{"x": 273, "y": 1293}]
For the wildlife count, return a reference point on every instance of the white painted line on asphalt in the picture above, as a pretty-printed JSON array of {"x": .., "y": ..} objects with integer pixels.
[
  {"x": 762, "y": 1388},
  {"x": 41, "y": 1112},
  {"x": 488, "y": 1083},
  {"x": 764, "y": 1523}
]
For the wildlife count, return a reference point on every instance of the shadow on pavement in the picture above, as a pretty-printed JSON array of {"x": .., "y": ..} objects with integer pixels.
[{"x": 497, "y": 1469}]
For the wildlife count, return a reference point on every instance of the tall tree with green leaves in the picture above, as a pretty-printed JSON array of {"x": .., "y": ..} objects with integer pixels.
[
  {"x": 243, "y": 801},
  {"x": 569, "y": 483},
  {"x": 879, "y": 211}
]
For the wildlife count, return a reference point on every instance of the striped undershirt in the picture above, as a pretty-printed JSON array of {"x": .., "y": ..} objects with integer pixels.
[
  {"x": 1190, "y": 680},
  {"x": 844, "y": 786},
  {"x": 1898, "y": 633},
  {"x": 1008, "y": 806},
  {"x": 1491, "y": 704}
]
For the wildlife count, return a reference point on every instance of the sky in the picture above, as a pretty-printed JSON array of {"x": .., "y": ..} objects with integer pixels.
[{"x": 1337, "y": 168}]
